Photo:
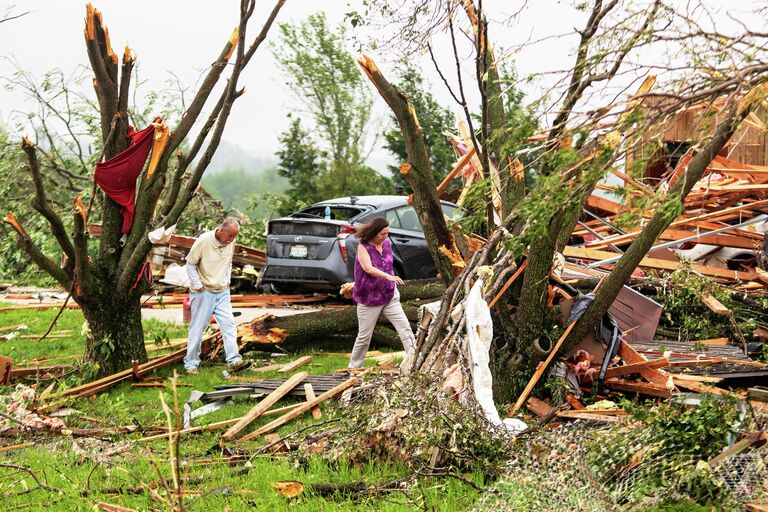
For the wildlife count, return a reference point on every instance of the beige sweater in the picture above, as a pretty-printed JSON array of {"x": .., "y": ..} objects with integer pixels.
[{"x": 212, "y": 260}]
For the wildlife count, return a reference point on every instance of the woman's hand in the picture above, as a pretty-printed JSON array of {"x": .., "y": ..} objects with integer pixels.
[{"x": 395, "y": 279}]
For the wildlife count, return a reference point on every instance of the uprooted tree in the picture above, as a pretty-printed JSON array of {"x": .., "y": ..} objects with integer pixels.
[
  {"x": 107, "y": 278},
  {"x": 589, "y": 134}
]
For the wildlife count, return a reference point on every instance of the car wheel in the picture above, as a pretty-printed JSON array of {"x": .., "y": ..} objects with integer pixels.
[{"x": 275, "y": 289}]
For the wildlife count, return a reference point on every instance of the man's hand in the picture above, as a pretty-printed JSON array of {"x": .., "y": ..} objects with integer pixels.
[
  {"x": 396, "y": 280},
  {"x": 201, "y": 289}
]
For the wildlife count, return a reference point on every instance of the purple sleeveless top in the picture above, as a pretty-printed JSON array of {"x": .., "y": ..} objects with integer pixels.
[{"x": 371, "y": 290}]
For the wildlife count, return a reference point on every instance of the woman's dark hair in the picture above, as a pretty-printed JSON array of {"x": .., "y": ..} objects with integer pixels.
[{"x": 370, "y": 229}]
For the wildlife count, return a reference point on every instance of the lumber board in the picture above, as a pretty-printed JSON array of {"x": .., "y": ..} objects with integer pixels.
[
  {"x": 698, "y": 387},
  {"x": 754, "y": 439},
  {"x": 631, "y": 356},
  {"x": 306, "y": 406},
  {"x": 265, "y": 404},
  {"x": 295, "y": 364},
  {"x": 583, "y": 415},
  {"x": 539, "y": 407},
  {"x": 659, "y": 264},
  {"x": 642, "y": 388},
  {"x": 714, "y": 305},
  {"x": 628, "y": 369},
  {"x": 540, "y": 370},
  {"x": 310, "y": 392}
]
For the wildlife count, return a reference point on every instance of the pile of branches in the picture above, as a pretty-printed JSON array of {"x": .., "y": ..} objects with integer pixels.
[{"x": 411, "y": 420}]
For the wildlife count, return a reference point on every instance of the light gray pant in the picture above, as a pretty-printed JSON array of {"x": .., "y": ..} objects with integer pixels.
[{"x": 367, "y": 316}]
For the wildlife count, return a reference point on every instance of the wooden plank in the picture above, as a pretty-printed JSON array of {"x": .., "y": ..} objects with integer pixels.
[
  {"x": 540, "y": 371},
  {"x": 601, "y": 203},
  {"x": 697, "y": 378},
  {"x": 216, "y": 425},
  {"x": 719, "y": 214},
  {"x": 295, "y": 364},
  {"x": 714, "y": 342},
  {"x": 715, "y": 305},
  {"x": 754, "y": 439},
  {"x": 631, "y": 356},
  {"x": 757, "y": 394},
  {"x": 265, "y": 404},
  {"x": 6, "y": 367},
  {"x": 659, "y": 264},
  {"x": 642, "y": 388},
  {"x": 539, "y": 407},
  {"x": 301, "y": 409},
  {"x": 310, "y": 392},
  {"x": 17, "y": 446},
  {"x": 698, "y": 387},
  {"x": 628, "y": 369},
  {"x": 583, "y": 415}
]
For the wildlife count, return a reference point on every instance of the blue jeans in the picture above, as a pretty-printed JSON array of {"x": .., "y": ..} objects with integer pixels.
[{"x": 204, "y": 304}]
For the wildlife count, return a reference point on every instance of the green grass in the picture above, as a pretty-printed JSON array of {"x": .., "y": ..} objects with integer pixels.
[{"x": 221, "y": 486}]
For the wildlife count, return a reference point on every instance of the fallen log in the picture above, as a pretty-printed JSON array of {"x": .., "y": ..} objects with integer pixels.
[{"x": 321, "y": 328}]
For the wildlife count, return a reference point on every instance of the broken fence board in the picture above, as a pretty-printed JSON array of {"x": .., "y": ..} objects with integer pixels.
[
  {"x": 265, "y": 404},
  {"x": 630, "y": 356}
]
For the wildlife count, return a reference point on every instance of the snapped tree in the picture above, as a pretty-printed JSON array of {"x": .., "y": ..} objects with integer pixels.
[{"x": 107, "y": 278}]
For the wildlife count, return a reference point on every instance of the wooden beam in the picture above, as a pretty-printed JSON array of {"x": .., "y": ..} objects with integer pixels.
[
  {"x": 583, "y": 415},
  {"x": 265, "y": 404},
  {"x": 539, "y": 407},
  {"x": 698, "y": 387},
  {"x": 630, "y": 356},
  {"x": 755, "y": 439}
]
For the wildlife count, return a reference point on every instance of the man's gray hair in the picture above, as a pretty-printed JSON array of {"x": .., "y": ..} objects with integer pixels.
[{"x": 230, "y": 222}]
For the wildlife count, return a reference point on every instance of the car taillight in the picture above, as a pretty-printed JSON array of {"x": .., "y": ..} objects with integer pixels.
[{"x": 342, "y": 237}]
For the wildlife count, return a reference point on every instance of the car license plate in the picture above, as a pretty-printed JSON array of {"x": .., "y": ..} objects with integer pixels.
[{"x": 299, "y": 251}]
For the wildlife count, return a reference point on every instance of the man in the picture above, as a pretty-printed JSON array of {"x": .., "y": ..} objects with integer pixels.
[{"x": 209, "y": 266}]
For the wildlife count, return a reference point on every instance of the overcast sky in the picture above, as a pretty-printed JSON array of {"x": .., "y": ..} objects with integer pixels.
[{"x": 184, "y": 37}]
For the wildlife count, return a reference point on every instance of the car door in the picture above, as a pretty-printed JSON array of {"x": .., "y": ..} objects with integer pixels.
[{"x": 409, "y": 244}]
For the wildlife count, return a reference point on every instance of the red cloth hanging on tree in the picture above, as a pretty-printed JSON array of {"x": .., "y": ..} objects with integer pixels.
[{"x": 117, "y": 176}]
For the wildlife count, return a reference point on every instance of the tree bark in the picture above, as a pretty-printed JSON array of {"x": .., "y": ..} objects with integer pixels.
[{"x": 117, "y": 336}]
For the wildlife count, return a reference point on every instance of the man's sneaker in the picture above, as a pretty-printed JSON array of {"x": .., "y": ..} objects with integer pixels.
[
  {"x": 239, "y": 366},
  {"x": 192, "y": 371}
]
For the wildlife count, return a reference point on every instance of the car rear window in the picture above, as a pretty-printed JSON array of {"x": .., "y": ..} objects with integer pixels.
[
  {"x": 295, "y": 227},
  {"x": 337, "y": 212}
]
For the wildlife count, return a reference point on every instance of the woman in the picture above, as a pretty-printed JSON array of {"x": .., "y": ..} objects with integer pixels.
[{"x": 375, "y": 290}]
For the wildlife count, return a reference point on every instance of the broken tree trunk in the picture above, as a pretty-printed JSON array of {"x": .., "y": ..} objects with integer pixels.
[
  {"x": 325, "y": 326},
  {"x": 418, "y": 171}
]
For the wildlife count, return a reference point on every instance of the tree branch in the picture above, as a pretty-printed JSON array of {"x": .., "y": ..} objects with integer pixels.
[
  {"x": 40, "y": 203},
  {"x": 34, "y": 252}
]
